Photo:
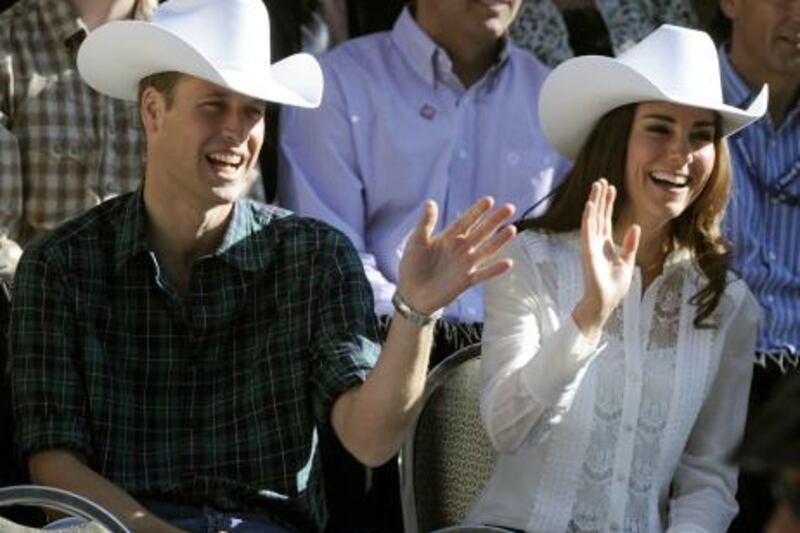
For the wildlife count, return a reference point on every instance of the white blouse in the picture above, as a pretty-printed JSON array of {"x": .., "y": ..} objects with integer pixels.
[{"x": 627, "y": 434}]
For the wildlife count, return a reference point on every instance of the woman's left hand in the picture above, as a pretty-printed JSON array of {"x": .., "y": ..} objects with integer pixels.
[{"x": 607, "y": 271}]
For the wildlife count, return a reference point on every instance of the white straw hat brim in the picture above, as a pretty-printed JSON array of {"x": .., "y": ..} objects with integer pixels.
[
  {"x": 116, "y": 56},
  {"x": 576, "y": 95}
]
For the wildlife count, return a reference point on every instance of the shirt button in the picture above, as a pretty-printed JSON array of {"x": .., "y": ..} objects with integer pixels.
[
  {"x": 770, "y": 298},
  {"x": 462, "y": 154},
  {"x": 427, "y": 111},
  {"x": 620, "y": 478},
  {"x": 628, "y": 428},
  {"x": 772, "y": 256}
]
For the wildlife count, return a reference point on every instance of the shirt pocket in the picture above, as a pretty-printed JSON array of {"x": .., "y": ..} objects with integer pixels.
[{"x": 59, "y": 173}]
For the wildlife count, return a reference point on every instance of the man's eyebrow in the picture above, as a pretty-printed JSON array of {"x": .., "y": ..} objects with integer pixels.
[
  {"x": 223, "y": 95},
  {"x": 211, "y": 93}
]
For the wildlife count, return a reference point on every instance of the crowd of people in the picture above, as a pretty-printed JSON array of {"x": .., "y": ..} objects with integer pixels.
[{"x": 239, "y": 233}]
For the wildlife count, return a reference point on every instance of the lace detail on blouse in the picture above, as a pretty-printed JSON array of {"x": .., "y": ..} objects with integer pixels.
[
  {"x": 614, "y": 325},
  {"x": 666, "y": 312},
  {"x": 591, "y": 500},
  {"x": 598, "y": 476}
]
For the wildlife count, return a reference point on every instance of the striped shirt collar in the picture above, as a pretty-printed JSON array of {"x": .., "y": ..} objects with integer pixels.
[
  {"x": 735, "y": 90},
  {"x": 245, "y": 245},
  {"x": 738, "y": 93}
]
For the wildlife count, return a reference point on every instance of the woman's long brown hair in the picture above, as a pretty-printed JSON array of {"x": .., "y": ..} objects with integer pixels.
[{"x": 697, "y": 229}]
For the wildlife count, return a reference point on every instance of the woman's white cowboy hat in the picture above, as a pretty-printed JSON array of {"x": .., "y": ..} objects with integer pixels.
[
  {"x": 672, "y": 64},
  {"x": 226, "y": 42}
]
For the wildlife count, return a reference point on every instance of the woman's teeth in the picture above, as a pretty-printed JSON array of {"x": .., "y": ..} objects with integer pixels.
[
  {"x": 226, "y": 159},
  {"x": 672, "y": 180}
]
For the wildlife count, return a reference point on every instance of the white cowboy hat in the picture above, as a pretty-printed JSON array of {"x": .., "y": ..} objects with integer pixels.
[
  {"x": 226, "y": 42},
  {"x": 672, "y": 64}
]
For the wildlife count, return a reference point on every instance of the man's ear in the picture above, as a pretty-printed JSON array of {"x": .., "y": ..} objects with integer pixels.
[
  {"x": 728, "y": 8},
  {"x": 152, "y": 107}
]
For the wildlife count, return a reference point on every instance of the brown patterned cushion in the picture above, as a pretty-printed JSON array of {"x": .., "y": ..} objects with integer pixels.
[{"x": 453, "y": 458}]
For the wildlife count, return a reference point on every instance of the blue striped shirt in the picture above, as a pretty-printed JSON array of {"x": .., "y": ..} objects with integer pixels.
[{"x": 763, "y": 220}]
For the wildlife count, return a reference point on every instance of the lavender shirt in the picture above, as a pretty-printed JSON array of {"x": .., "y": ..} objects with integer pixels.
[{"x": 397, "y": 127}]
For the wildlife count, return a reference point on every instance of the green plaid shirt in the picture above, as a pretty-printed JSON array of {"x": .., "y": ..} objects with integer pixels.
[{"x": 214, "y": 398}]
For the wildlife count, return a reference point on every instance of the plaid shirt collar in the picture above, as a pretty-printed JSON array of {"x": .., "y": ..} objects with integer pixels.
[
  {"x": 63, "y": 23},
  {"x": 245, "y": 245}
]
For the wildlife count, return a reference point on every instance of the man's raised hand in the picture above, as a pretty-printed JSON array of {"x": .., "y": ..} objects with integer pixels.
[{"x": 435, "y": 269}]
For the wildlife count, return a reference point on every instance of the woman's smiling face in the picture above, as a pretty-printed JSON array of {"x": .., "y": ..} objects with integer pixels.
[{"x": 671, "y": 154}]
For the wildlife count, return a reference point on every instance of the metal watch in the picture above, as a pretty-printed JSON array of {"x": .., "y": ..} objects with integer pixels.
[{"x": 411, "y": 314}]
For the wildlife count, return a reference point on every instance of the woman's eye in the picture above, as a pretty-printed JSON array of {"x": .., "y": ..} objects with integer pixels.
[
  {"x": 255, "y": 112},
  {"x": 658, "y": 130},
  {"x": 702, "y": 137}
]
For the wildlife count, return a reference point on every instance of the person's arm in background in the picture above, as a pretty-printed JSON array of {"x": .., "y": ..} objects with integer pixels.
[
  {"x": 319, "y": 175},
  {"x": 11, "y": 202}
]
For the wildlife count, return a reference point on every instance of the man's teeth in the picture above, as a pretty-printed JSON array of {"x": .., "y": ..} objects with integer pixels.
[
  {"x": 226, "y": 159},
  {"x": 673, "y": 179}
]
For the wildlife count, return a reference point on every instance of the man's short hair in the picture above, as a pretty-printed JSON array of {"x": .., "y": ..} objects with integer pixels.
[{"x": 164, "y": 83}]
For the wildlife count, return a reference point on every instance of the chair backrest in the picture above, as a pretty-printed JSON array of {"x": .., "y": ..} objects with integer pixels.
[
  {"x": 97, "y": 519},
  {"x": 447, "y": 459}
]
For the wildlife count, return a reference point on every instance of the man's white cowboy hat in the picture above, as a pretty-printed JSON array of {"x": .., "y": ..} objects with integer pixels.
[
  {"x": 226, "y": 42},
  {"x": 672, "y": 64}
]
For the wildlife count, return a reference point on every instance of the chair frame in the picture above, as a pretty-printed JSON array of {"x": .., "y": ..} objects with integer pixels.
[
  {"x": 436, "y": 378},
  {"x": 61, "y": 500}
]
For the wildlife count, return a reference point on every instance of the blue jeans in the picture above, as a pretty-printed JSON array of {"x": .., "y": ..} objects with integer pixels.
[{"x": 196, "y": 519}]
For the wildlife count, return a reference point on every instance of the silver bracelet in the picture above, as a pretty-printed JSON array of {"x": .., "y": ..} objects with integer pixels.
[{"x": 411, "y": 314}]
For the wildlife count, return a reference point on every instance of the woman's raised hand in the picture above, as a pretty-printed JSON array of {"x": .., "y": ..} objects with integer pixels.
[{"x": 607, "y": 271}]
